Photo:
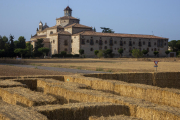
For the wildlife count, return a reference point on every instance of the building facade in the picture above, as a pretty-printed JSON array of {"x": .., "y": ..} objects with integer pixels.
[{"x": 70, "y": 36}]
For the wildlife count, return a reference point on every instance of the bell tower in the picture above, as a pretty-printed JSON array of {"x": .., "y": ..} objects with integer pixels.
[
  {"x": 40, "y": 26},
  {"x": 67, "y": 11}
]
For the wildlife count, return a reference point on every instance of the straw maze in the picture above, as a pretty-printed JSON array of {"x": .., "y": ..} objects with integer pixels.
[{"x": 127, "y": 96}]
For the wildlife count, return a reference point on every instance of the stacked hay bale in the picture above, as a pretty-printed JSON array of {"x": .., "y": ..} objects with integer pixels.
[
  {"x": 15, "y": 112},
  {"x": 80, "y": 111},
  {"x": 25, "y": 97},
  {"x": 117, "y": 117}
]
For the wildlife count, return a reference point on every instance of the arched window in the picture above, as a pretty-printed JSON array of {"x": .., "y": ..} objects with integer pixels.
[
  {"x": 100, "y": 42},
  {"x": 105, "y": 47},
  {"x": 91, "y": 49},
  {"x": 51, "y": 32},
  {"x": 105, "y": 42}
]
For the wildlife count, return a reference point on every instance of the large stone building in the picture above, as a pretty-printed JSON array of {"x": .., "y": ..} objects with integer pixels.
[{"x": 70, "y": 36}]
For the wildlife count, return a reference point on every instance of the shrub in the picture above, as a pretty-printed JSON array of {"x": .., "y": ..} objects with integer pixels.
[
  {"x": 96, "y": 52},
  {"x": 120, "y": 51},
  {"x": 81, "y": 51},
  {"x": 156, "y": 52},
  {"x": 145, "y": 52},
  {"x": 108, "y": 53},
  {"x": 100, "y": 54},
  {"x": 137, "y": 53},
  {"x": 63, "y": 53}
]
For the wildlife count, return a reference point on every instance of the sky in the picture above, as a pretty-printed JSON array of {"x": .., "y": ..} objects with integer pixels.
[{"x": 151, "y": 17}]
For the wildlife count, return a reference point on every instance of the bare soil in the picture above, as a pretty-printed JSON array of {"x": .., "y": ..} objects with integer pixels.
[{"x": 7, "y": 70}]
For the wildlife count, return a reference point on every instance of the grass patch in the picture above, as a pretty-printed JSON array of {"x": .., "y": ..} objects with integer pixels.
[
  {"x": 99, "y": 69},
  {"x": 79, "y": 68},
  {"x": 109, "y": 70}
]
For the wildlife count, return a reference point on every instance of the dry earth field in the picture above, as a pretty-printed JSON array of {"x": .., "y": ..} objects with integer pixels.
[
  {"x": 8, "y": 70},
  {"x": 117, "y": 65}
]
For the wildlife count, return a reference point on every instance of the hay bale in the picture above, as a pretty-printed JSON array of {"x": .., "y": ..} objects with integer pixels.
[
  {"x": 11, "y": 83},
  {"x": 80, "y": 111},
  {"x": 116, "y": 117},
  {"x": 25, "y": 97},
  {"x": 15, "y": 112}
]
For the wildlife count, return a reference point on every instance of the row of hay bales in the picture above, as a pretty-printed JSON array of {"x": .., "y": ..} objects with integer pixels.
[
  {"x": 163, "y": 96},
  {"x": 25, "y": 97},
  {"x": 160, "y": 79},
  {"x": 80, "y": 111},
  {"x": 134, "y": 107}
]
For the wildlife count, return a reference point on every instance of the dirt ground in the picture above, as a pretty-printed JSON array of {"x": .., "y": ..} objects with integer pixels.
[
  {"x": 117, "y": 65},
  {"x": 7, "y": 70},
  {"x": 112, "y": 65}
]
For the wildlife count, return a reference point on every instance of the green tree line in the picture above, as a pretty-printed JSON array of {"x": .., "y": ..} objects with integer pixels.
[{"x": 12, "y": 48}]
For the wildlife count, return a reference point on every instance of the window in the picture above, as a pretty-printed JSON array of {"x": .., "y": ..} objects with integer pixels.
[
  {"x": 143, "y": 42},
  {"x": 154, "y": 49},
  {"x": 91, "y": 49},
  {"x": 148, "y": 49},
  {"x": 129, "y": 49},
  {"x": 140, "y": 49},
  {"x": 151, "y": 49},
  {"x": 155, "y": 43},
  {"x": 165, "y": 44},
  {"x": 121, "y": 43},
  {"x": 115, "y": 42},
  {"x": 65, "y": 42},
  {"x": 75, "y": 37},
  {"x": 130, "y": 43},
  {"x": 96, "y": 41},
  {"x": 111, "y": 41},
  {"x": 124, "y": 48},
  {"x": 91, "y": 42},
  {"x": 100, "y": 42},
  {"x": 105, "y": 47},
  {"x": 65, "y": 49},
  {"x": 87, "y": 41},
  {"x": 53, "y": 41},
  {"x": 71, "y": 41},
  {"x": 149, "y": 44},
  {"x": 114, "y": 48},
  {"x": 139, "y": 43},
  {"x": 124, "y": 42},
  {"x": 105, "y": 42},
  {"x": 51, "y": 32},
  {"x": 133, "y": 43},
  {"x": 83, "y": 41}
]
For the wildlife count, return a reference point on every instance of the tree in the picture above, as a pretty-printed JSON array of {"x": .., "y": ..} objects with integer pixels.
[
  {"x": 81, "y": 51},
  {"x": 1, "y": 52},
  {"x": 167, "y": 52},
  {"x": 156, "y": 52},
  {"x": 100, "y": 54},
  {"x": 120, "y": 51},
  {"x": 108, "y": 53},
  {"x": 94, "y": 29},
  {"x": 43, "y": 50},
  {"x": 20, "y": 51},
  {"x": 29, "y": 48},
  {"x": 145, "y": 52},
  {"x": 106, "y": 30},
  {"x": 11, "y": 47},
  {"x": 137, "y": 53},
  {"x": 20, "y": 43},
  {"x": 172, "y": 45},
  {"x": 63, "y": 53},
  {"x": 5, "y": 39},
  {"x": 96, "y": 52},
  {"x": 38, "y": 45}
]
